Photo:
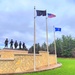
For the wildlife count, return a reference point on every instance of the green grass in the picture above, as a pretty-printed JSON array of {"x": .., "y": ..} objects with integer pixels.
[{"x": 67, "y": 68}]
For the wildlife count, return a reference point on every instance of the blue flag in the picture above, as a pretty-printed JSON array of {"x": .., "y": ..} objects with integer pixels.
[{"x": 57, "y": 29}]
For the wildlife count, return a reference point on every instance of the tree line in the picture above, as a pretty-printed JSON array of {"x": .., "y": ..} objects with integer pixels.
[{"x": 65, "y": 47}]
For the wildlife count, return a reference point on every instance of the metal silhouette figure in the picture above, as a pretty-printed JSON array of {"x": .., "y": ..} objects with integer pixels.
[
  {"x": 6, "y": 42},
  {"x": 20, "y": 45},
  {"x": 15, "y": 44},
  {"x": 24, "y": 47},
  {"x": 11, "y": 44}
]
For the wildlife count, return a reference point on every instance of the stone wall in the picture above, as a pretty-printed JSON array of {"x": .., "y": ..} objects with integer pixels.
[{"x": 14, "y": 61}]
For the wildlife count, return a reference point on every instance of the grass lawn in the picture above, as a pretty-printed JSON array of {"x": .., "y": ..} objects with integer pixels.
[{"x": 67, "y": 68}]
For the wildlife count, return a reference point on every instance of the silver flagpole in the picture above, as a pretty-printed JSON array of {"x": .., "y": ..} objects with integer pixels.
[
  {"x": 47, "y": 40},
  {"x": 34, "y": 40},
  {"x": 55, "y": 45}
]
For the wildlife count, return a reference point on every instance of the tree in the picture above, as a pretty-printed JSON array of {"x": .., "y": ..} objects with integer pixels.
[
  {"x": 64, "y": 46},
  {"x": 44, "y": 47},
  {"x": 59, "y": 47},
  {"x": 51, "y": 48},
  {"x": 73, "y": 52},
  {"x": 37, "y": 48}
]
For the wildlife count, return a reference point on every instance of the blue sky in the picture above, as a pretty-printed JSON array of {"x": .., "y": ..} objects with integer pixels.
[{"x": 17, "y": 20}]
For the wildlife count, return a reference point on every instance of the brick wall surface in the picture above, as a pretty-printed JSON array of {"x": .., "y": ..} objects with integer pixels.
[{"x": 13, "y": 61}]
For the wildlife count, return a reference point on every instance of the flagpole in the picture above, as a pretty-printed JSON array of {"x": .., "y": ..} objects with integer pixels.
[
  {"x": 34, "y": 40},
  {"x": 55, "y": 45},
  {"x": 47, "y": 40}
]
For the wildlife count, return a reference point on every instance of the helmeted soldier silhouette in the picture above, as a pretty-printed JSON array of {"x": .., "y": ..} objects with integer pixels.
[
  {"x": 6, "y": 42},
  {"x": 15, "y": 44},
  {"x": 20, "y": 45},
  {"x": 24, "y": 45},
  {"x": 11, "y": 44}
]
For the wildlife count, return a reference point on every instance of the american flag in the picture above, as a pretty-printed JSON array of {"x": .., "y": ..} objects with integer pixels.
[{"x": 51, "y": 15}]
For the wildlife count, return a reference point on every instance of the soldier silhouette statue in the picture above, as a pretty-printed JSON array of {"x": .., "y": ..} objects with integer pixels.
[
  {"x": 24, "y": 46},
  {"x": 6, "y": 42},
  {"x": 11, "y": 44},
  {"x": 15, "y": 44},
  {"x": 20, "y": 45}
]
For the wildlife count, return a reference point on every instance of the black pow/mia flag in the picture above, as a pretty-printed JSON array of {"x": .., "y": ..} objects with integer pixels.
[{"x": 41, "y": 12}]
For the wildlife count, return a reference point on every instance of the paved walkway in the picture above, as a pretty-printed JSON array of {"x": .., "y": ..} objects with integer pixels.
[{"x": 44, "y": 68}]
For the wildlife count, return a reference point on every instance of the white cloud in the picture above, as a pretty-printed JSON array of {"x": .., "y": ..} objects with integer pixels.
[{"x": 17, "y": 20}]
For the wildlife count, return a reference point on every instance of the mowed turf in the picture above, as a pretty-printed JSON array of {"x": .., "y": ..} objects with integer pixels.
[{"x": 67, "y": 68}]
